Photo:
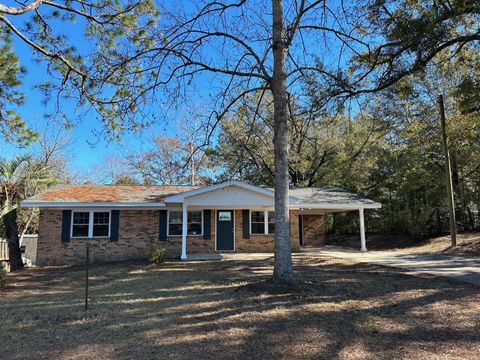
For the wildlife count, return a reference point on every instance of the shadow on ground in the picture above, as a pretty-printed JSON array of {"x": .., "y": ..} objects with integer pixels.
[{"x": 204, "y": 311}]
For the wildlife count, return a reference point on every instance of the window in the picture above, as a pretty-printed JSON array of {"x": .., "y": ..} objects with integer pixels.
[
  {"x": 224, "y": 216},
  {"x": 80, "y": 223},
  {"x": 194, "y": 223},
  {"x": 174, "y": 223},
  {"x": 271, "y": 222},
  {"x": 257, "y": 222},
  {"x": 101, "y": 223},
  {"x": 90, "y": 224},
  {"x": 262, "y": 222}
]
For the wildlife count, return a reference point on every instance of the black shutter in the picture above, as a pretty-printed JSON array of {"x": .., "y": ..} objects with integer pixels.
[
  {"x": 207, "y": 221},
  {"x": 162, "y": 230},
  {"x": 246, "y": 224},
  {"x": 114, "y": 223},
  {"x": 66, "y": 222}
]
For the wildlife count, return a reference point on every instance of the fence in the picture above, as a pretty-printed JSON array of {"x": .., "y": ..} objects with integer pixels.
[
  {"x": 3, "y": 250},
  {"x": 28, "y": 247}
]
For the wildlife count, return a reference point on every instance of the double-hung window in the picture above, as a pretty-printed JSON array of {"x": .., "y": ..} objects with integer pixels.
[
  {"x": 262, "y": 222},
  {"x": 257, "y": 222},
  {"x": 194, "y": 223},
  {"x": 90, "y": 224},
  {"x": 80, "y": 224},
  {"x": 174, "y": 223},
  {"x": 101, "y": 224}
]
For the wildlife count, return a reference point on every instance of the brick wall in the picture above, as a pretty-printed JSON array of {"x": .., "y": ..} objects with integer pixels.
[
  {"x": 263, "y": 243},
  {"x": 138, "y": 233},
  {"x": 314, "y": 230}
]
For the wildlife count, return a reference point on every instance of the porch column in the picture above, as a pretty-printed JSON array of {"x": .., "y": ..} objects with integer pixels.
[
  {"x": 363, "y": 245},
  {"x": 184, "y": 232}
]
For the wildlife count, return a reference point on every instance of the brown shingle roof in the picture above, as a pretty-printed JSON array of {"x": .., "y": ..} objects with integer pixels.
[{"x": 109, "y": 193}]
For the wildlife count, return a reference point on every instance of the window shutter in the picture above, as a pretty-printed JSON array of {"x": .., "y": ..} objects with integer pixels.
[
  {"x": 162, "y": 231},
  {"x": 246, "y": 224},
  {"x": 114, "y": 225},
  {"x": 207, "y": 221},
  {"x": 66, "y": 223}
]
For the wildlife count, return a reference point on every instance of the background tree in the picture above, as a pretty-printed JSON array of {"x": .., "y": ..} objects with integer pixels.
[
  {"x": 78, "y": 65},
  {"x": 317, "y": 143},
  {"x": 12, "y": 127},
  {"x": 20, "y": 178},
  {"x": 171, "y": 161}
]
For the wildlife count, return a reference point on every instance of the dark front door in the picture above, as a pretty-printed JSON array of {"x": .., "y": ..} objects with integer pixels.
[{"x": 225, "y": 230}]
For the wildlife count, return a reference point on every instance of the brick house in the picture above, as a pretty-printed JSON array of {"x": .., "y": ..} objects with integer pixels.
[{"x": 124, "y": 222}]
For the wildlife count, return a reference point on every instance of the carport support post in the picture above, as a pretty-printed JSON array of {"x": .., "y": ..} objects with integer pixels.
[
  {"x": 362, "y": 231},
  {"x": 184, "y": 232}
]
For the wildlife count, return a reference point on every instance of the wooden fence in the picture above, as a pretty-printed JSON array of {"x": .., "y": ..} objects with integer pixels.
[{"x": 3, "y": 250}]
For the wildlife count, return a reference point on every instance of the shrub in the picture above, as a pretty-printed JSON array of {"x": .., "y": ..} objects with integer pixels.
[
  {"x": 3, "y": 276},
  {"x": 158, "y": 255}
]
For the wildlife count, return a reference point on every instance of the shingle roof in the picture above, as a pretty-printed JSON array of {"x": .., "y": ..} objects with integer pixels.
[
  {"x": 109, "y": 193},
  {"x": 139, "y": 195},
  {"x": 333, "y": 196}
]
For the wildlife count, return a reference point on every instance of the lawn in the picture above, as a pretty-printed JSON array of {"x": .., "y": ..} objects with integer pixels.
[
  {"x": 208, "y": 310},
  {"x": 468, "y": 244}
]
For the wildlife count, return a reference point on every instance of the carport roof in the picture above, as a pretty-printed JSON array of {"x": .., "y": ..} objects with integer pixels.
[{"x": 331, "y": 198}]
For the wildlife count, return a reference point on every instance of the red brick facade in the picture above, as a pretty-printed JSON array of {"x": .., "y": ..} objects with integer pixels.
[
  {"x": 138, "y": 233},
  {"x": 313, "y": 230}
]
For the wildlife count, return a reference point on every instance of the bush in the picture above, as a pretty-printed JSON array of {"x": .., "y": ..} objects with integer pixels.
[
  {"x": 158, "y": 256},
  {"x": 3, "y": 276}
]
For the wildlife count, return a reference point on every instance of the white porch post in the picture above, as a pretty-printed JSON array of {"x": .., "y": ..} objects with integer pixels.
[
  {"x": 184, "y": 232},
  {"x": 363, "y": 245}
]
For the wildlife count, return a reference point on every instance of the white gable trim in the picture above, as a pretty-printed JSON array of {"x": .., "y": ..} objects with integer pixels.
[{"x": 180, "y": 198}]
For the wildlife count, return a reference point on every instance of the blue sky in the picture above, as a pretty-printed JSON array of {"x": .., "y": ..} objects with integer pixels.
[{"x": 88, "y": 147}]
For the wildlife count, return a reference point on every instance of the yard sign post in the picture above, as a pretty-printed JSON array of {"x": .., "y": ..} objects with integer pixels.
[
  {"x": 448, "y": 173},
  {"x": 87, "y": 264}
]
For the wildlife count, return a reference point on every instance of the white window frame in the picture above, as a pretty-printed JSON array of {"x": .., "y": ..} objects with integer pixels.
[
  {"x": 265, "y": 222},
  {"x": 168, "y": 223},
  {"x": 90, "y": 224}
]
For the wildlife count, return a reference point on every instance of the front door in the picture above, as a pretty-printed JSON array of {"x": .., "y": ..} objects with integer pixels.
[{"x": 225, "y": 230}]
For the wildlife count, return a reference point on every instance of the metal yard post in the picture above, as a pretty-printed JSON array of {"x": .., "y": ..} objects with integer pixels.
[{"x": 87, "y": 265}]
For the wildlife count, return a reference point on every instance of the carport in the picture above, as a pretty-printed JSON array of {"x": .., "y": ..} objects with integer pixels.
[{"x": 322, "y": 201}]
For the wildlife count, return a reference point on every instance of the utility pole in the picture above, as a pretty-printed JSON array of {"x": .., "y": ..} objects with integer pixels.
[{"x": 448, "y": 173}]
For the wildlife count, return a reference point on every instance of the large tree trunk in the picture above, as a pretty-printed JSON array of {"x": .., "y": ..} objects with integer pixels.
[
  {"x": 11, "y": 231},
  {"x": 283, "y": 271}
]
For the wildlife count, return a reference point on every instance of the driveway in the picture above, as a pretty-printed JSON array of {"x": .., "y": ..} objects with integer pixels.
[{"x": 458, "y": 268}]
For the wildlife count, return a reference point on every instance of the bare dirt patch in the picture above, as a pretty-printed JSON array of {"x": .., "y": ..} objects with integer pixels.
[{"x": 221, "y": 310}]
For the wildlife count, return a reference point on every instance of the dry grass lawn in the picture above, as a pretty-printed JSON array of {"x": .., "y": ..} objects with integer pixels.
[
  {"x": 468, "y": 244},
  {"x": 203, "y": 310}
]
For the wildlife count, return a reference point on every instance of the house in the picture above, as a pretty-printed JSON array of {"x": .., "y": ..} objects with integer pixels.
[{"x": 124, "y": 222}]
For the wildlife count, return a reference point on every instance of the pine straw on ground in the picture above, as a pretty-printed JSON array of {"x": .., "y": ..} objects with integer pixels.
[
  {"x": 468, "y": 244},
  {"x": 225, "y": 310}
]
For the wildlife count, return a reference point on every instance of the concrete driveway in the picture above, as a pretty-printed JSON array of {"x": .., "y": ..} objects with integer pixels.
[{"x": 458, "y": 268}]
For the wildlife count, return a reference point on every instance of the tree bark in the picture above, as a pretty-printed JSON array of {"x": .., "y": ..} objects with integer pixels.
[
  {"x": 283, "y": 270},
  {"x": 11, "y": 231}
]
